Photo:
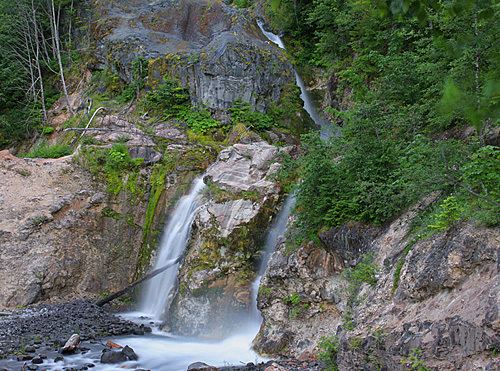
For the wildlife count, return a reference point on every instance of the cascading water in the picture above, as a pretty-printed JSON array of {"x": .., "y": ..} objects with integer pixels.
[
  {"x": 325, "y": 126},
  {"x": 161, "y": 351},
  {"x": 160, "y": 289},
  {"x": 277, "y": 230}
]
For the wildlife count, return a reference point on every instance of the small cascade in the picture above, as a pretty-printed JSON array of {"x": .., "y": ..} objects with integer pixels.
[
  {"x": 160, "y": 289},
  {"x": 325, "y": 126},
  {"x": 277, "y": 230}
]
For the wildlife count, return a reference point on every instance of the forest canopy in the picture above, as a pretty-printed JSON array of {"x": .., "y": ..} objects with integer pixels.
[{"x": 417, "y": 96}]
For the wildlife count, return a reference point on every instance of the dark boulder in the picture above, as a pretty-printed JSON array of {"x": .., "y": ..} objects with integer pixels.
[
  {"x": 200, "y": 366},
  {"x": 129, "y": 352},
  {"x": 113, "y": 356},
  {"x": 349, "y": 241},
  {"x": 37, "y": 360}
]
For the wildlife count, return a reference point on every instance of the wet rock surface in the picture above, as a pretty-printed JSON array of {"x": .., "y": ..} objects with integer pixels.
[{"x": 228, "y": 230}]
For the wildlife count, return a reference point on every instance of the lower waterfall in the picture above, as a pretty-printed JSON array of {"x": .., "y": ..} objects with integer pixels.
[{"x": 160, "y": 289}]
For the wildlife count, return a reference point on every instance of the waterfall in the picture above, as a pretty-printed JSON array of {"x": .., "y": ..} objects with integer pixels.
[
  {"x": 325, "y": 126},
  {"x": 160, "y": 289},
  {"x": 277, "y": 230},
  {"x": 279, "y": 225}
]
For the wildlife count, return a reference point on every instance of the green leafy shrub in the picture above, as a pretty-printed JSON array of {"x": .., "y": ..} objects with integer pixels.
[
  {"x": 414, "y": 361},
  {"x": 449, "y": 212},
  {"x": 199, "y": 120},
  {"x": 265, "y": 291},
  {"x": 168, "y": 99},
  {"x": 242, "y": 112},
  {"x": 364, "y": 272},
  {"x": 46, "y": 151},
  {"x": 355, "y": 342},
  {"x": 329, "y": 347},
  {"x": 292, "y": 299},
  {"x": 115, "y": 164},
  {"x": 241, "y": 3},
  {"x": 481, "y": 178},
  {"x": 47, "y": 130},
  {"x": 118, "y": 158},
  {"x": 288, "y": 173}
]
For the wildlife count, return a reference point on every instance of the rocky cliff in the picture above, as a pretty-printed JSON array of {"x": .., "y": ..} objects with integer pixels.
[
  {"x": 386, "y": 300},
  {"x": 77, "y": 226},
  {"x": 214, "y": 49}
]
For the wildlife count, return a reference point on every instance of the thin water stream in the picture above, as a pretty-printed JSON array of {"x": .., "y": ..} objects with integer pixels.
[
  {"x": 326, "y": 128},
  {"x": 160, "y": 290}
]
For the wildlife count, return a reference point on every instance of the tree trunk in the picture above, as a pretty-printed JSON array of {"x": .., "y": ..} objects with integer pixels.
[
  {"x": 55, "y": 34},
  {"x": 148, "y": 276},
  {"x": 37, "y": 60}
]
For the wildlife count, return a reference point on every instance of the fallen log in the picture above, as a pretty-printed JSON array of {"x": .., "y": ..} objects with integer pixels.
[{"x": 148, "y": 276}]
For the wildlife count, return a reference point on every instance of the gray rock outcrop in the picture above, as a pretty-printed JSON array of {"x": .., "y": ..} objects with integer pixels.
[
  {"x": 215, "y": 278},
  {"x": 216, "y": 50}
]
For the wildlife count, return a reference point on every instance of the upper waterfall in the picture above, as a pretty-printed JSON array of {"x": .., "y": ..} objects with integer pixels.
[{"x": 327, "y": 129}]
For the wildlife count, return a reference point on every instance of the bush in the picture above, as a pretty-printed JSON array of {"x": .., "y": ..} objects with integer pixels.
[
  {"x": 364, "y": 272},
  {"x": 199, "y": 120},
  {"x": 482, "y": 174},
  {"x": 292, "y": 299},
  {"x": 242, "y": 112},
  {"x": 46, "y": 151},
  {"x": 329, "y": 347},
  {"x": 414, "y": 360},
  {"x": 47, "y": 130},
  {"x": 241, "y": 3},
  {"x": 449, "y": 212},
  {"x": 115, "y": 164},
  {"x": 168, "y": 99}
]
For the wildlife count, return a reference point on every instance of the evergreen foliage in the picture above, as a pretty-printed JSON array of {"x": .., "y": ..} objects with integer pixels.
[{"x": 412, "y": 76}]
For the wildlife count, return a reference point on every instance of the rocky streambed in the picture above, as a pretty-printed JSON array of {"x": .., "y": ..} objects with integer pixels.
[
  {"x": 34, "y": 336},
  {"x": 33, "y": 339}
]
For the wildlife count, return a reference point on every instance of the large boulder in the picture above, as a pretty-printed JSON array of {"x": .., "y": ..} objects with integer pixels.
[{"x": 227, "y": 236}]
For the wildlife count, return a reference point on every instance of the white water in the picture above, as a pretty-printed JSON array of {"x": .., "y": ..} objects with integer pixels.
[
  {"x": 160, "y": 290},
  {"x": 325, "y": 126},
  {"x": 276, "y": 231}
]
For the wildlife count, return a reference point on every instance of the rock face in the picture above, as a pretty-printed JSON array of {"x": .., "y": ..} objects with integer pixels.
[
  {"x": 54, "y": 239},
  {"x": 441, "y": 308},
  {"x": 113, "y": 129},
  {"x": 63, "y": 235},
  {"x": 215, "y": 278},
  {"x": 295, "y": 325},
  {"x": 214, "y": 49}
]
